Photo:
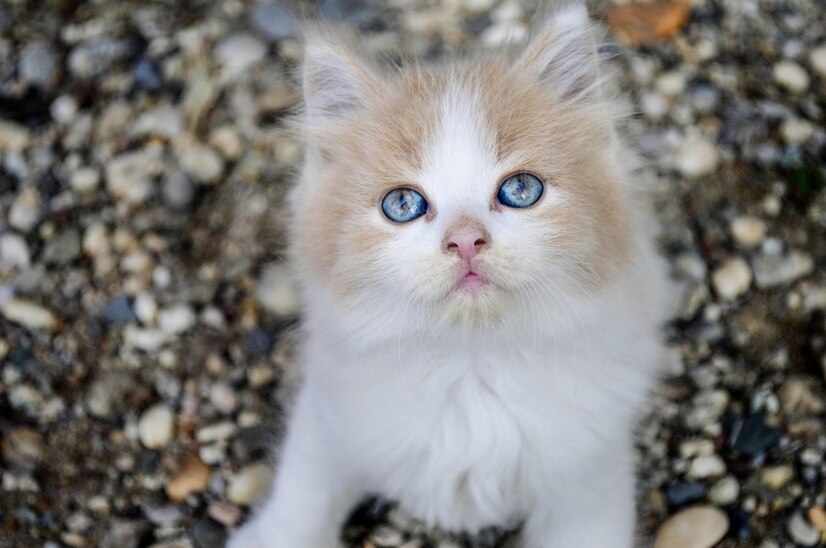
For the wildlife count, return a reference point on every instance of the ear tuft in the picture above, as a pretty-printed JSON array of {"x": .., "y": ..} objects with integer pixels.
[
  {"x": 563, "y": 53},
  {"x": 336, "y": 81}
]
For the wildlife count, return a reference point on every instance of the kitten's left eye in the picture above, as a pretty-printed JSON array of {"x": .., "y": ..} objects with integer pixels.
[
  {"x": 402, "y": 205},
  {"x": 520, "y": 190}
]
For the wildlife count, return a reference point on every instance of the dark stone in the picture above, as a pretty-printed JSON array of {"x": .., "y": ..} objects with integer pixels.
[
  {"x": 208, "y": 533},
  {"x": 258, "y": 342},
  {"x": 739, "y": 527},
  {"x": 680, "y": 494},
  {"x": 752, "y": 436},
  {"x": 119, "y": 311},
  {"x": 147, "y": 75}
]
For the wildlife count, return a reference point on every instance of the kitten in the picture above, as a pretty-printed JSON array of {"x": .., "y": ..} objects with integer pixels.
[{"x": 481, "y": 298}]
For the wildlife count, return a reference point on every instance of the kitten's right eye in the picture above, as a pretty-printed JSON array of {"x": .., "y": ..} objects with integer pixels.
[{"x": 402, "y": 205}]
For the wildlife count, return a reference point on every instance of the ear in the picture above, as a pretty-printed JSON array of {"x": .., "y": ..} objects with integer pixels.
[
  {"x": 563, "y": 53},
  {"x": 336, "y": 80}
]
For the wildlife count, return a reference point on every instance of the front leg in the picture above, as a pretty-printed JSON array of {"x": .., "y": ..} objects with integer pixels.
[
  {"x": 312, "y": 494},
  {"x": 588, "y": 510}
]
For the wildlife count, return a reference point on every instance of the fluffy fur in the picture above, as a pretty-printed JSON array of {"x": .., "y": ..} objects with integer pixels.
[{"x": 514, "y": 403}]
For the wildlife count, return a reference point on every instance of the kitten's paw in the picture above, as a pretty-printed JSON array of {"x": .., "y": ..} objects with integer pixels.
[{"x": 245, "y": 537}]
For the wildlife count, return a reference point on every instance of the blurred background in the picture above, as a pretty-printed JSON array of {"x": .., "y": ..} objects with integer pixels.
[{"x": 147, "y": 320}]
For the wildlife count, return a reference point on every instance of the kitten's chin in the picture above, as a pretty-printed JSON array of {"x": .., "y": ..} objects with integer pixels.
[{"x": 474, "y": 304}]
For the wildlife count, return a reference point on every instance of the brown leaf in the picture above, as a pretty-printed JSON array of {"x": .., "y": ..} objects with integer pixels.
[{"x": 651, "y": 22}]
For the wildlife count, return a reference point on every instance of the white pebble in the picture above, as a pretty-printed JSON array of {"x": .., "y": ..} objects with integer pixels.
[
  {"x": 13, "y": 137},
  {"x": 13, "y": 251},
  {"x": 146, "y": 309},
  {"x": 817, "y": 57},
  {"x": 63, "y": 109},
  {"x": 725, "y": 491},
  {"x": 30, "y": 315},
  {"x": 671, "y": 84},
  {"x": 250, "y": 484},
  {"x": 25, "y": 210},
  {"x": 732, "y": 279},
  {"x": 85, "y": 180},
  {"x": 176, "y": 319},
  {"x": 748, "y": 231},
  {"x": 706, "y": 466},
  {"x": 791, "y": 76},
  {"x": 239, "y": 52},
  {"x": 695, "y": 527},
  {"x": 199, "y": 161},
  {"x": 276, "y": 291},
  {"x": 148, "y": 340},
  {"x": 156, "y": 426},
  {"x": 698, "y": 156},
  {"x": 797, "y": 130}
]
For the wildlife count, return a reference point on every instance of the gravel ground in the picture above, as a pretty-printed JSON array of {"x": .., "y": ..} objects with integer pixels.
[{"x": 147, "y": 325}]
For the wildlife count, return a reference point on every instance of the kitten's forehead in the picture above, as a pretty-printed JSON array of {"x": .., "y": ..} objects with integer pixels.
[{"x": 459, "y": 167}]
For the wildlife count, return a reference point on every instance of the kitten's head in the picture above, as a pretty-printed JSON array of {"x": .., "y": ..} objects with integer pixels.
[{"x": 460, "y": 193}]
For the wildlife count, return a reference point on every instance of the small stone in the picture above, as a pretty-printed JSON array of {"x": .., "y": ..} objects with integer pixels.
[
  {"x": 227, "y": 141},
  {"x": 748, "y": 231},
  {"x": 817, "y": 57},
  {"x": 796, "y": 130},
  {"x": 774, "y": 269},
  {"x": 706, "y": 408},
  {"x": 207, "y": 533},
  {"x": 85, "y": 180},
  {"x": 62, "y": 249},
  {"x": 176, "y": 319},
  {"x": 39, "y": 64},
  {"x": 776, "y": 476},
  {"x": 817, "y": 516},
  {"x": 725, "y": 491},
  {"x": 680, "y": 494},
  {"x": 791, "y": 76},
  {"x": 156, "y": 426},
  {"x": 216, "y": 432},
  {"x": 797, "y": 395},
  {"x": 274, "y": 21},
  {"x": 25, "y": 211},
  {"x": 119, "y": 311},
  {"x": 164, "y": 121},
  {"x": 697, "y": 157},
  {"x": 30, "y": 315},
  {"x": 695, "y": 527},
  {"x": 63, "y": 109},
  {"x": 385, "y": 536},
  {"x": 199, "y": 161},
  {"x": 177, "y": 190},
  {"x": 97, "y": 55},
  {"x": 13, "y": 251},
  {"x": 732, "y": 279},
  {"x": 23, "y": 448},
  {"x": 237, "y": 53},
  {"x": 148, "y": 340},
  {"x": 753, "y": 436},
  {"x": 250, "y": 484},
  {"x": 192, "y": 477},
  {"x": 276, "y": 291},
  {"x": 707, "y": 466},
  {"x": 801, "y": 532},
  {"x": 695, "y": 448},
  {"x": 646, "y": 22},
  {"x": 146, "y": 309},
  {"x": 504, "y": 32},
  {"x": 107, "y": 397},
  {"x": 129, "y": 176},
  {"x": 671, "y": 84},
  {"x": 124, "y": 534},
  {"x": 224, "y": 513},
  {"x": 222, "y": 396},
  {"x": 13, "y": 137}
]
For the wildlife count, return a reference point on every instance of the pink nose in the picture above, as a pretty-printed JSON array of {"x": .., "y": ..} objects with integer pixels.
[{"x": 466, "y": 243}]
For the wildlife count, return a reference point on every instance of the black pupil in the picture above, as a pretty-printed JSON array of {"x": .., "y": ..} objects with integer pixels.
[{"x": 404, "y": 206}]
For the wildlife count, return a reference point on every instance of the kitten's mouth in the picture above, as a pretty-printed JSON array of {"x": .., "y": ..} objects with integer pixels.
[{"x": 472, "y": 281}]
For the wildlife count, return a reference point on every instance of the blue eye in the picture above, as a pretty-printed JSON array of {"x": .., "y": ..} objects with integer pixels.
[
  {"x": 520, "y": 190},
  {"x": 402, "y": 205}
]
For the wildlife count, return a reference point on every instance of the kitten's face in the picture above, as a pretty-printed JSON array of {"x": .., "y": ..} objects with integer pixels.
[{"x": 402, "y": 207}]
